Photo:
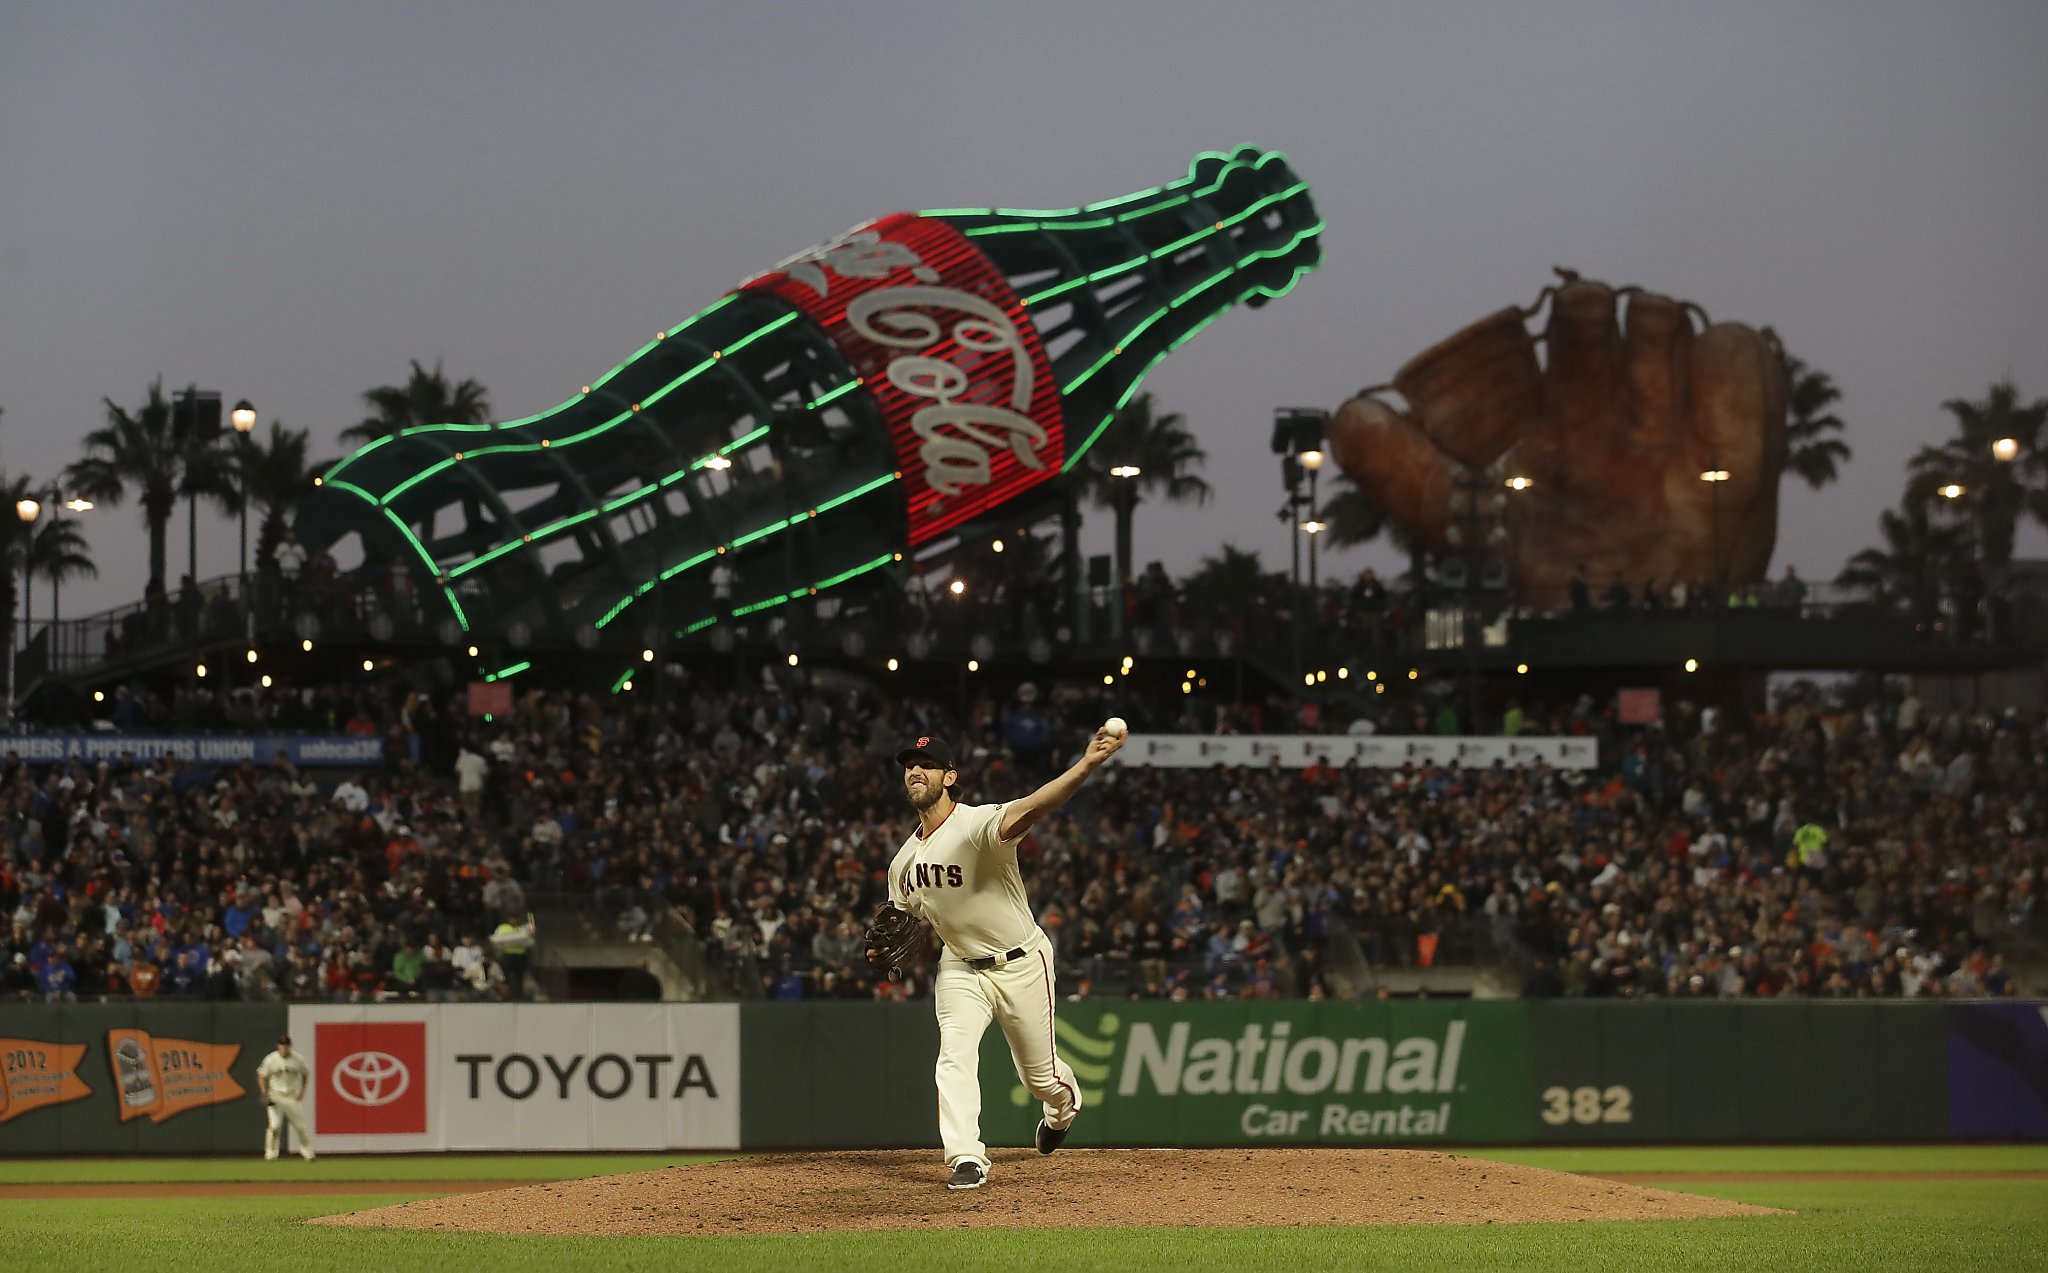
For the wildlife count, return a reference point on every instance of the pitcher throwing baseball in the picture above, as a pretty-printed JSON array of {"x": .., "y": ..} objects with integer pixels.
[
  {"x": 281, "y": 1082},
  {"x": 958, "y": 870}
]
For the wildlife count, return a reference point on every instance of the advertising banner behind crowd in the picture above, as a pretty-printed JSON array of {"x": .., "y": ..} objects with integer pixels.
[
  {"x": 200, "y": 749},
  {"x": 1369, "y": 751},
  {"x": 391, "y": 1078}
]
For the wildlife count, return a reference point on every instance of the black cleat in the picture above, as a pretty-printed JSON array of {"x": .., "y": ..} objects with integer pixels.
[
  {"x": 1049, "y": 1137},
  {"x": 969, "y": 1174}
]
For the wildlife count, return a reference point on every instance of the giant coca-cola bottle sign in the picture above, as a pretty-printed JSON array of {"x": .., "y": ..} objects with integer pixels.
[{"x": 950, "y": 355}]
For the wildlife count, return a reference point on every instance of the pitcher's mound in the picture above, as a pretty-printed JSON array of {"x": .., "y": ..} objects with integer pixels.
[{"x": 820, "y": 1193}]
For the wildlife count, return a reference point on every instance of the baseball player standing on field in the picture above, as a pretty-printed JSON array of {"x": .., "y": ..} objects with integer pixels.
[
  {"x": 958, "y": 870},
  {"x": 281, "y": 1082}
]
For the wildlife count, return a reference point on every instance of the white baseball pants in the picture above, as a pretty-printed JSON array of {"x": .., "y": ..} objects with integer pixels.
[
  {"x": 282, "y": 1110},
  {"x": 1020, "y": 996}
]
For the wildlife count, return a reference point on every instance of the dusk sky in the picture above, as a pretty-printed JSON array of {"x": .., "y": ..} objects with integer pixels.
[{"x": 288, "y": 202}]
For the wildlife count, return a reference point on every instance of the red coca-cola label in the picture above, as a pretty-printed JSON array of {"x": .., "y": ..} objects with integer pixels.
[{"x": 951, "y": 357}]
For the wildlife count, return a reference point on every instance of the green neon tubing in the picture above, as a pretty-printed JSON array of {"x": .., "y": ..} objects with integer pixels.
[
  {"x": 598, "y": 383},
  {"x": 748, "y": 538}
]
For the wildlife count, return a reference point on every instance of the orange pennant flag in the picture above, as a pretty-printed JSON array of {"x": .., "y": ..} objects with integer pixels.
[
  {"x": 34, "y": 1074},
  {"x": 163, "y": 1077},
  {"x": 1425, "y": 950}
]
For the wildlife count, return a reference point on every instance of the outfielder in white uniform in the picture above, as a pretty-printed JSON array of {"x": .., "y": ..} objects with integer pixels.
[
  {"x": 281, "y": 1081},
  {"x": 958, "y": 870}
]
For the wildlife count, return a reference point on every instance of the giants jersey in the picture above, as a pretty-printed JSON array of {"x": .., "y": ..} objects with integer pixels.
[
  {"x": 283, "y": 1077},
  {"x": 966, "y": 882}
]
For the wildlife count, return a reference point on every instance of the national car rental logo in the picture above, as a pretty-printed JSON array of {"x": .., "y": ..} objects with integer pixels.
[{"x": 371, "y": 1078}]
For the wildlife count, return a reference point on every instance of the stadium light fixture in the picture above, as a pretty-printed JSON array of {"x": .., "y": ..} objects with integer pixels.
[
  {"x": 958, "y": 587},
  {"x": 243, "y": 417},
  {"x": 1519, "y": 483},
  {"x": 79, "y": 504},
  {"x": 1311, "y": 460},
  {"x": 2005, "y": 449},
  {"x": 1951, "y": 491},
  {"x": 1126, "y": 471},
  {"x": 28, "y": 509},
  {"x": 1313, "y": 526}
]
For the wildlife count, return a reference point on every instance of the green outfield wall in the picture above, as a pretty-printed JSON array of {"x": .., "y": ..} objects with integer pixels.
[{"x": 179, "y": 1078}]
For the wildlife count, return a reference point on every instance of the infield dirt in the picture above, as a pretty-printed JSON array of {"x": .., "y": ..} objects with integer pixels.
[{"x": 821, "y": 1193}]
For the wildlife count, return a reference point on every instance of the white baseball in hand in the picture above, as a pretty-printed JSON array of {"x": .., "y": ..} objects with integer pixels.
[{"x": 1115, "y": 727}]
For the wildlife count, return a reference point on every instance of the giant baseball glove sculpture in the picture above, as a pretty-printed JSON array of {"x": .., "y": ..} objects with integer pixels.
[
  {"x": 1614, "y": 428},
  {"x": 895, "y": 937}
]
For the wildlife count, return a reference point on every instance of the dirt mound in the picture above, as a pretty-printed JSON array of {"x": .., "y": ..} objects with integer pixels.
[{"x": 820, "y": 1193}]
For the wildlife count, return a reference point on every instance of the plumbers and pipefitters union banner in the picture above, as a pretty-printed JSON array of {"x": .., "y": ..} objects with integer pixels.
[
  {"x": 390, "y": 1079},
  {"x": 1370, "y": 751}
]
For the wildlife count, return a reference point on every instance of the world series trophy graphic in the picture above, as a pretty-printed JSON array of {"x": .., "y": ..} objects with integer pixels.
[{"x": 859, "y": 400}]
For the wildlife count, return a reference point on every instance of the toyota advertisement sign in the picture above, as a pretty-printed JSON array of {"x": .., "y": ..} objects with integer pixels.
[{"x": 392, "y": 1079}]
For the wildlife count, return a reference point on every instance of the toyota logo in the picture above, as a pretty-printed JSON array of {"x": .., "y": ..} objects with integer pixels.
[{"x": 370, "y": 1078}]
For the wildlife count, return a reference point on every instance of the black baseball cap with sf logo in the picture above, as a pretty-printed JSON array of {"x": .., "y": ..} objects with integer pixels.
[{"x": 928, "y": 749}]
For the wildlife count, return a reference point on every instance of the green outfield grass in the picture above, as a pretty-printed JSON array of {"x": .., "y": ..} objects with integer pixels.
[{"x": 1860, "y": 1224}]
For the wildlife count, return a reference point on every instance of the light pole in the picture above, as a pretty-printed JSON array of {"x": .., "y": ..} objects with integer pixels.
[
  {"x": 244, "y": 419},
  {"x": 1311, "y": 461},
  {"x": 1298, "y": 441},
  {"x": 1516, "y": 485},
  {"x": 26, "y": 509},
  {"x": 1125, "y": 502},
  {"x": 1714, "y": 476},
  {"x": 29, "y": 510}
]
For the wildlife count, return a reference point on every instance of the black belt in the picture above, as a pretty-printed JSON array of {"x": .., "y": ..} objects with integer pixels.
[{"x": 983, "y": 965}]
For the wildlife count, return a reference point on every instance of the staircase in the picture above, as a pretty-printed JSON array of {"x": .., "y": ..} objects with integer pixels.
[{"x": 580, "y": 941}]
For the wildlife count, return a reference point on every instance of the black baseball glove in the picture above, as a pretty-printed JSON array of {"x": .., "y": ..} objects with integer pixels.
[{"x": 895, "y": 937}]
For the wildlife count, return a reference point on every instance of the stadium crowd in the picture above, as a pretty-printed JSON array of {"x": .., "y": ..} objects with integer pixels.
[{"x": 1842, "y": 853}]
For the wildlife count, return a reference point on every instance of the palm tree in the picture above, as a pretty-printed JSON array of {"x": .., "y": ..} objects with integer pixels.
[
  {"x": 1350, "y": 518},
  {"x": 1918, "y": 554},
  {"x": 425, "y": 398},
  {"x": 145, "y": 453},
  {"x": 1165, "y": 455},
  {"x": 1810, "y": 452},
  {"x": 58, "y": 552},
  {"x": 1231, "y": 582},
  {"x": 1994, "y": 493},
  {"x": 274, "y": 472}
]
